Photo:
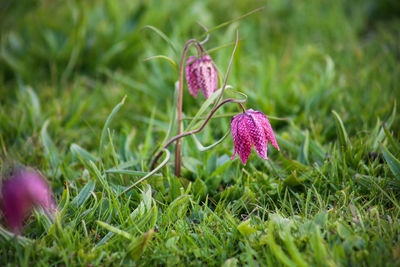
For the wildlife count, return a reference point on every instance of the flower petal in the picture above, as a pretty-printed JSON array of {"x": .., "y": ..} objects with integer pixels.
[
  {"x": 241, "y": 137},
  {"x": 16, "y": 203},
  {"x": 269, "y": 133},
  {"x": 191, "y": 72},
  {"x": 20, "y": 194},
  {"x": 234, "y": 133},
  {"x": 207, "y": 78},
  {"x": 256, "y": 131}
]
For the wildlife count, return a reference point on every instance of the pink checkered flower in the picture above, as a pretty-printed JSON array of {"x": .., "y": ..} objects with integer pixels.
[
  {"x": 20, "y": 194},
  {"x": 201, "y": 74},
  {"x": 251, "y": 128}
]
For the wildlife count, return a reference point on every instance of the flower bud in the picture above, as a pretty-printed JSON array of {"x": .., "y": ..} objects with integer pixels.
[
  {"x": 202, "y": 75},
  {"x": 21, "y": 193}
]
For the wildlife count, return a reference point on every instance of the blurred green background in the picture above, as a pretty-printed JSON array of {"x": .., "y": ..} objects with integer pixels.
[{"x": 297, "y": 58}]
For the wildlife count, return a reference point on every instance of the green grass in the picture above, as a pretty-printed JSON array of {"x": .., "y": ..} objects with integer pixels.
[{"x": 330, "y": 197}]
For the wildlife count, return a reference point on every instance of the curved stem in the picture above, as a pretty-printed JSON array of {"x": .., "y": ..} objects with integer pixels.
[
  {"x": 179, "y": 136},
  {"x": 206, "y": 30},
  {"x": 241, "y": 105},
  {"x": 180, "y": 97}
]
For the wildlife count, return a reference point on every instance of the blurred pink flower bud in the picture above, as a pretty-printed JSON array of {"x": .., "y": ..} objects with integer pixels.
[
  {"x": 251, "y": 128},
  {"x": 201, "y": 75},
  {"x": 21, "y": 193}
]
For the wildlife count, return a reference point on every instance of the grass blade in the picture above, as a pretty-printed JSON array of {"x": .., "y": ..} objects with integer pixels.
[
  {"x": 303, "y": 156},
  {"x": 170, "y": 60},
  {"x": 107, "y": 124},
  {"x": 231, "y": 21},
  {"x": 343, "y": 137},
  {"x": 49, "y": 148},
  {"x": 163, "y": 36},
  {"x": 395, "y": 145},
  {"x": 129, "y": 172},
  {"x": 394, "y": 163},
  {"x": 205, "y": 148},
  {"x": 114, "y": 230},
  {"x": 84, "y": 194},
  {"x": 138, "y": 246},
  {"x": 83, "y": 155}
]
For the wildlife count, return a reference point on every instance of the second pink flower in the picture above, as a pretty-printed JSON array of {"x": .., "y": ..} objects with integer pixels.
[{"x": 202, "y": 75}]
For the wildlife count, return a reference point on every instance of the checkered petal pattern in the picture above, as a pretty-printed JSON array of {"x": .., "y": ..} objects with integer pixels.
[
  {"x": 248, "y": 129},
  {"x": 201, "y": 74}
]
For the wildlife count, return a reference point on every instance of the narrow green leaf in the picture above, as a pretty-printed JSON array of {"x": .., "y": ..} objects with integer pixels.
[
  {"x": 394, "y": 163},
  {"x": 114, "y": 230},
  {"x": 99, "y": 176},
  {"x": 106, "y": 125},
  {"x": 84, "y": 194},
  {"x": 395, "y": 145},
  {"x": 317, "y": 150},
  {"x": 64, "y": 202},
  {"x": 170, "y": 60},
  {"x": 35, "y": 103},
  {"x": 154, "y": 215},
  {"x": 138, "y": 246},
  {"x": 178, "y": 208},
  {"x": 49, "y": 148},
  {"x": 163, "y": 36},
  {"x": 231, "y": 21},
  {"x": 379, "y": 138},
  {"x": 303, "y": 156},
  {"x": 82, "y": 154},
  {"x": 130, "y": 172},
  {"x": 205, "y": 148},
  {"x": 105, "y": 239},
  {"x": 343, "y": 137},
  {"x": 113, "y": 152}
]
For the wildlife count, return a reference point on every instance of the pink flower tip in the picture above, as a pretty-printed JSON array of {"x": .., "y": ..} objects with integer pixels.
[
  {"x": 251, "y": 128},
  {"x": 201, "y": 74},
  {"x": 22, "y": 192}
]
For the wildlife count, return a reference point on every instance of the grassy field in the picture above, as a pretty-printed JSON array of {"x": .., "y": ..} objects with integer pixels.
[{"x": 326, "y": 73}]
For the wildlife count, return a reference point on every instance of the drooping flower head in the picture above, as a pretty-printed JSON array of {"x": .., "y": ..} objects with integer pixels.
[
  {"x": 251, "y": 128},
  {"x": 201, "y": 74},
  {"x": 21, "y": 193}
]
